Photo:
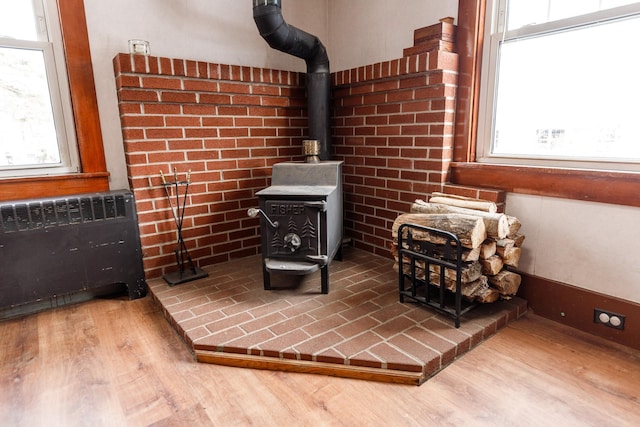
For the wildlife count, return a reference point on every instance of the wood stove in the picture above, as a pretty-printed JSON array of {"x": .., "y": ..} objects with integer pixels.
[{"x": 301, "y": 226}]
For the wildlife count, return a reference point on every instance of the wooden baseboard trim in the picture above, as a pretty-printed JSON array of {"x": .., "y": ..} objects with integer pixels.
[
  {"x": 301, "y": 366},
  {"x": 574, "y": 307}
]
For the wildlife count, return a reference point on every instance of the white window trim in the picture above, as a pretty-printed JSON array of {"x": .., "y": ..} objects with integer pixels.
[
  {"x": 51, "y": 45},
  {"x": 495, "y": 32}
]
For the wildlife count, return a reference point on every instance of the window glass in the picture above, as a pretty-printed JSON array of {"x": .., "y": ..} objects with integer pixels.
[
  {"x": 17, "y": 20},
  {"x": 26, "y": 118},
  {"x": 570, "y": 94}
]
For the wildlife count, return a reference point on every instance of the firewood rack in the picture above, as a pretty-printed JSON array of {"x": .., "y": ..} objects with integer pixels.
[{"x": 424, "y": 256}]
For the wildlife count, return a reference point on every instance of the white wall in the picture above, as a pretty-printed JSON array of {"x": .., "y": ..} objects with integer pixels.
[
  {"x": 365, "y": 32},
  {"x": 588, "y": 245}
]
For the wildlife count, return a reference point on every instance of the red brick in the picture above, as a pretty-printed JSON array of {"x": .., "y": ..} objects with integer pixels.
[
  {"x": 178, "y": 97},
  {"x": 137, "y": 95},
  {"x": 161, "y": 83},
  {"x": 165, "y": 109}
]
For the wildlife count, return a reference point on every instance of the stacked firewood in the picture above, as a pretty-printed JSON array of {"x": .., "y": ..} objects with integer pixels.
[{"x": 490, "y": 240}]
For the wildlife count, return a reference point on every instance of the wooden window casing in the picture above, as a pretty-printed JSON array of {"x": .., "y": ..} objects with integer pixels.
[
  {"x": 613, "y": 187},
  {"x": 93, "y": 176}
]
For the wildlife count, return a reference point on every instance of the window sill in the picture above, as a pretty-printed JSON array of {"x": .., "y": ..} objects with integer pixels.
[
  {"x": 53, "y": 186},
  {"x": 620, "y": 188}
]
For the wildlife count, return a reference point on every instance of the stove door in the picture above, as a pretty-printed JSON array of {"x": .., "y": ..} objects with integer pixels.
[{"x": 300, "y": 229}]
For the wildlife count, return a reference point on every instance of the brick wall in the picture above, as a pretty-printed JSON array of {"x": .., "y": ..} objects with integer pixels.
[
  {"x": 393, "y": 123},
  {"x": 227, "y": 125},
  {"x": 392, "y": 126}
]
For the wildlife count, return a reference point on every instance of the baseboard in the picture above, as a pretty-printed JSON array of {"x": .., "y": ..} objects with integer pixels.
[{"x": 574, "y": 307}]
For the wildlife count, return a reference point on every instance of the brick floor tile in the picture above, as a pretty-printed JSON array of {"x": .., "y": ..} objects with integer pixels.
[
  {"x": 445, "y": 347},
  {"x": 414, "y": 348},
  {"x": 292, "y": 323},
  {"x": 316, "y": 344},
  {"x": 323, "y": 325},
  {"x": 356, "y": 327},
  {"x": 358, "y": 344},
  {"x": 199, "y": 321},
  {"x": 264, "y": 322},
  {"x": 366, "y": 359},
  {"x": 393, "y": 358},
  {"x": 243, "y": 344},
  {"x": 365, "y": 309},
  {"x": 328, "y": 310},
  {"x": 228, "y": 322},
  {"x": 394, "y": 326},
  {"x": 274, "y": 346}
]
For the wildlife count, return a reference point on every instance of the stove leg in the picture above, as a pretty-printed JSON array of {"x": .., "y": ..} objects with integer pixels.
[
  {"x": 266, "y": 278},
  {"x": 324, "y": 277}
]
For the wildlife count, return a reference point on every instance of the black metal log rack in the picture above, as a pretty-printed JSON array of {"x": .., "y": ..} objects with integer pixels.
[{"x": 424, "y": 255}]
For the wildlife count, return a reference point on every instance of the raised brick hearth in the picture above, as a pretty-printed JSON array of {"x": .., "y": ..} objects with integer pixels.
[{"x": 358, "y": 330}]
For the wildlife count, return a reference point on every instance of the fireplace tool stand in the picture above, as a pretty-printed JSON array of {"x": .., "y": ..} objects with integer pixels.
[{"x": 172, "y": 190}]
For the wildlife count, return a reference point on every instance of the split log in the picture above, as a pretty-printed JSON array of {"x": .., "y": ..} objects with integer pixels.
[
  {"x": 468, "y": 290},
  {"x": 492, "y": 265},
  {"x": 508, "y": 251},
  {"x": 468, "y": 273},
  {"x": 478, "y": 290},
  {"x": 505, "y": 243},
  {"x": 496, "y": 224},
  {"x": 470, "y": 229},
  {"x": 470, "y": 255},
  {"x": 506, "y": 282},
  {"x": 514, "y": 225},
  {"x": 486, "y": 294},
  {"x": 510, "y": 255},
  {"x": 463, "y": 202},
  {"x": 518, "y": 239},
  {"x": 488, "y": 249}
]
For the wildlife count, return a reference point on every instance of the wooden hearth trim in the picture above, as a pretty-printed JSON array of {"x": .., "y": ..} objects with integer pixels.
[{"x": 310, "y": 367}]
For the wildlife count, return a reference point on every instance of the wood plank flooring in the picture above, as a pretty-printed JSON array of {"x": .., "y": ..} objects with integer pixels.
[{"x": 115, "y": 362}]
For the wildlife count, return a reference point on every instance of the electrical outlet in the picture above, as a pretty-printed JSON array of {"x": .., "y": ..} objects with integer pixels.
[{"x": 608, "y": 318}]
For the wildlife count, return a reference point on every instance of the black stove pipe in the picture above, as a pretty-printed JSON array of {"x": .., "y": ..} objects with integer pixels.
[{"x": 286, "y": 38}]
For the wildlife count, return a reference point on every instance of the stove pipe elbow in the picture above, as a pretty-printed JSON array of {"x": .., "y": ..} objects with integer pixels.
[{"x": 281, "y": 36}]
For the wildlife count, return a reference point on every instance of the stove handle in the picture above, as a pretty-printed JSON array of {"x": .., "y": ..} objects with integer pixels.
[
  {"x": 319, "y": 259},
  {"x": 320, "y": 205},
  {"x": 253, "y": 212}
]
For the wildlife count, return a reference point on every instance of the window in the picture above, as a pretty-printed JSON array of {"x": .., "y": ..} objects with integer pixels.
[
  {"x": 559, "y": 84},
  {"x": 35, "y": 111}
]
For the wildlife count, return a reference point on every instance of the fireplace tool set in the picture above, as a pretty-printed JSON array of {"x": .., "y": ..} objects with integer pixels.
[{"x": 178, "y": 202}]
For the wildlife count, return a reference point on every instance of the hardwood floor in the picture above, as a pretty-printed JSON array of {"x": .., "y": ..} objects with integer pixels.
[{"x": 115, "y": 362}]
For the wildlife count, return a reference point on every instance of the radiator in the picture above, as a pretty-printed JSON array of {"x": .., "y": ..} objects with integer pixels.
[{"x": 62, "y": 250}]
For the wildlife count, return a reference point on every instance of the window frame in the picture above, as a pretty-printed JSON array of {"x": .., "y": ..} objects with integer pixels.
[
  {"x": 613, "y": 187},
  {"x": 497, "y": 34},
  {"x": 93, "y": 175}
]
